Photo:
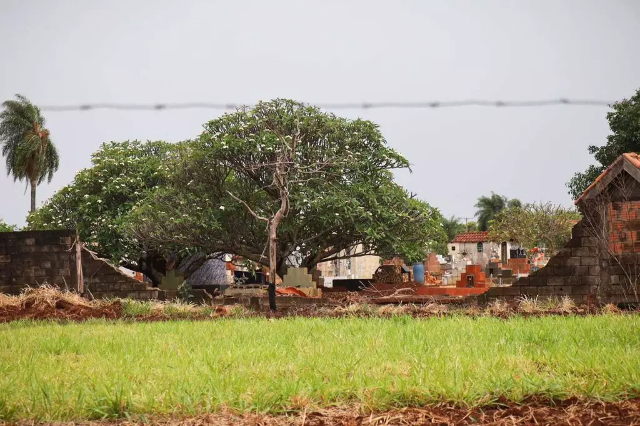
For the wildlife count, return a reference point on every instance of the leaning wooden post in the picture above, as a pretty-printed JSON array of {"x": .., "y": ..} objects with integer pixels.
[{"x": 79, "y": 277}]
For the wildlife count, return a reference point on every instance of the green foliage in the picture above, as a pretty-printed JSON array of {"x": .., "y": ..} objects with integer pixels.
[
  {"x": 339, "y": 185},
  {"x": 624, "y": 122},
  {"x": 135, "y": 308},
  {"x": 489, "y": 207},
  {"x": 7, "y": 413},
  {"x": 29, "y": 152},
  {"x": 100, "y": 196},
  {"x": 185, "y": 292},
  {"x": 5, "y": 227},
  {"x": 113, "y": 404},
  {"x": 177, "y": 368},
  {"x": 452, "y": 227},
  {"x": 535, "y": 225},
  {"x": 471, "y": 226}
]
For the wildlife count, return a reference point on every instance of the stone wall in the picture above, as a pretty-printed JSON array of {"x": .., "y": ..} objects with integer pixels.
[
  {"x": 582, "y": 269},
  {"x": 33, "y": 258}
]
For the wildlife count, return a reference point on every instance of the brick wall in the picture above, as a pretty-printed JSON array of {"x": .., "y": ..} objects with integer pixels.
[
  {"x": 519, "y": 266},
  {"x": 581, "y": 270},
  {"x": 37, "y": 257},
  {"x": 624, "y": 225},
  {"x": 432, "y": 265}
]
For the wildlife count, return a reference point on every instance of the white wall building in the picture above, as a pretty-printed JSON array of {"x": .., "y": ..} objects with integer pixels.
[
  {"x": 475, "y": 248},
  {"x": 352, "y": 267}
]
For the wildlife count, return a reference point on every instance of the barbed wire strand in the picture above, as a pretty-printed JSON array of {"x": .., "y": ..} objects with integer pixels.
[{"x": 351, "y": 105}]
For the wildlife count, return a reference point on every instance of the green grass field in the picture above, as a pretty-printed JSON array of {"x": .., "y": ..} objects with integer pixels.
[{"x": 101, "y": 369}]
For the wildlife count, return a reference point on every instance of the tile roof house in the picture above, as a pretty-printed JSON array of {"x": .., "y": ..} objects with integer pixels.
[
  {"x": 476, "y": 248},
  {"x": 629, "y": 163},
  {"x": 611, "y": 205},
  {"x": 471, "y": 237}
]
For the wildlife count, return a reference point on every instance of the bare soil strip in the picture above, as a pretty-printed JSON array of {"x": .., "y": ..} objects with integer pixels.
[
  {"x": 50, "y": 303},
  {"x": 569, "y": 412}
]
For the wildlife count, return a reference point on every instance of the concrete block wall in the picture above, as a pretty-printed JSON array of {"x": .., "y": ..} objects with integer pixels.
[
  {"x": 33, "y": 258},
  {"x": 581, "y": 270},
  {"x": 104, "y": 281}
]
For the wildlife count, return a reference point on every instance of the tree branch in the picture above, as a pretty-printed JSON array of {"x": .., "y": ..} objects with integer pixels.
[{"x": 254, "y": 214}]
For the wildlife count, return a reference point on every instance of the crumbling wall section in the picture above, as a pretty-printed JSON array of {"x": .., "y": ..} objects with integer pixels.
[
  {"x": 582, "y": 269},
  {"x": 102, "y": 280},
  {"x": 33, "y": 258}
]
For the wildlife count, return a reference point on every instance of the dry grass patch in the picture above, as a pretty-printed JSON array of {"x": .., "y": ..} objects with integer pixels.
[{"x": 48, "y": 302}]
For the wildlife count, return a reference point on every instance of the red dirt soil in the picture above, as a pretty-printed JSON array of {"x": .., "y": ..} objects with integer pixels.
[
  {"x": 570, "y": 412},
  {"x": 47, "y": 303},
  {"x": 60, "y": 310}
]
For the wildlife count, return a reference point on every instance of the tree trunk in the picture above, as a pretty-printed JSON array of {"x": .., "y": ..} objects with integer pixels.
[
  {"x": 273, "y": 238},
  {"x": 33, "y": 195},
  {"x": 145, "y": 265},
  {"x": 273, "y": 243},
  {"x": 282, "y": 268}
]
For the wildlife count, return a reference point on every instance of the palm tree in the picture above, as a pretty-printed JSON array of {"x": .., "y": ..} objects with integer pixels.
[
  {"x": 489, "y": 207},
  {"x": 26, "y": 145},
  {"x": 452, "y": 227}
]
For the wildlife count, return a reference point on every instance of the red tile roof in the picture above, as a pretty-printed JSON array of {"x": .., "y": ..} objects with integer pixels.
[
  {"x": 471, "y": 237},
  {"x": 632, "y": 157}
]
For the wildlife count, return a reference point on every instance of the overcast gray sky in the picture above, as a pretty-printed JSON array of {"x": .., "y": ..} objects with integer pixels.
[{"x": 78, "y": 51}]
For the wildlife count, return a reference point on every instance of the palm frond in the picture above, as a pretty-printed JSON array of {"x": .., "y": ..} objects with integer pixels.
[
  {"x": 25, "y": 143},
  {"x": 50, "y": 164}
]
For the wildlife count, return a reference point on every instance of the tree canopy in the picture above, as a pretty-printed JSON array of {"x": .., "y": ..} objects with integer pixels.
[
  {"x": 489, "y": 207},
  {"x": 534, "y": 225},
  {"x": 624, "y": 122},
  {"x": 99, "y": 198},
  {"x": 5, "y": 227},
  {"x": 333, "y": 175},
  {"x": 453, "y": 226},
  {"x": 471, "y": 226},
  {"x": 26, "y": 145}
]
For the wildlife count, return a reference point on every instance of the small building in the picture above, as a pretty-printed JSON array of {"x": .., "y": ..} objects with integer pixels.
[
  {"x": 475, "y": 248},
  {"x": 353, "y": 265}
]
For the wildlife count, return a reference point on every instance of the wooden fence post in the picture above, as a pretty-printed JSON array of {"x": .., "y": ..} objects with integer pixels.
[{"x": 79, "y": 277}]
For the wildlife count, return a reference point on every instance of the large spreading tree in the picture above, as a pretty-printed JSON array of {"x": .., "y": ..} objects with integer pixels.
[
  {"x": 624, "y": 122},
  {"x": 285, "y": 180},
  {"x": 26, "y": 144},
  {"x": 100, "y": 197}
]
